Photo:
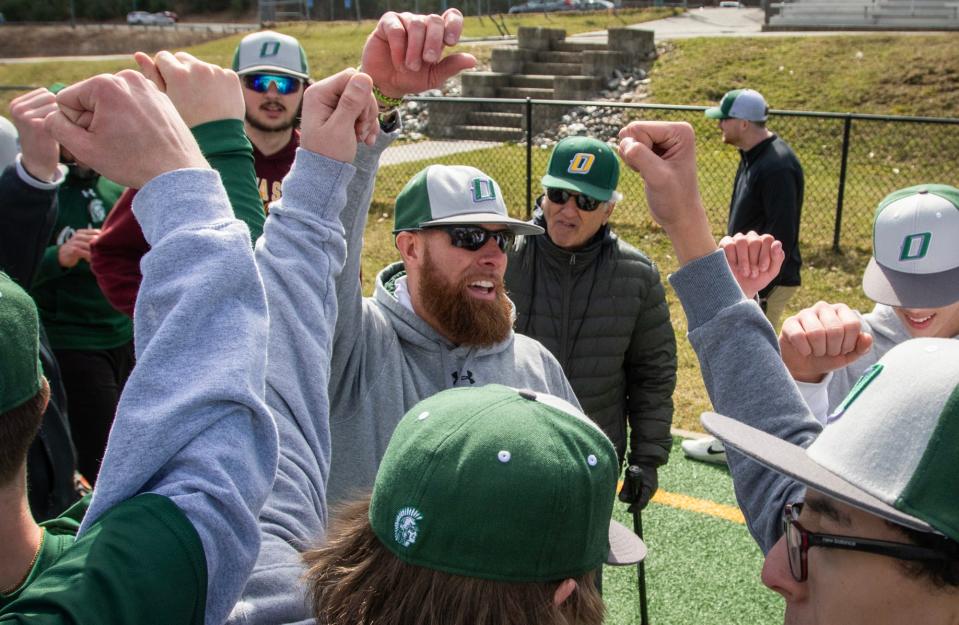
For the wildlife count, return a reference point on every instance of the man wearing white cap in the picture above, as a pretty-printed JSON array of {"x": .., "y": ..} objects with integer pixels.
[
  {"x": 913, "y": 276},
  {"x": 767, "y": 198},
  {"x": 851, "y": 535}
]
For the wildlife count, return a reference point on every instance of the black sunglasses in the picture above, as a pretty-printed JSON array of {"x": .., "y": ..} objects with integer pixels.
[
  {"x": 260, "y": 83},
  {"x": 799, "y": 541},
  {"x": 473, "y": 238},
  {"x": 583, "y": 202}
]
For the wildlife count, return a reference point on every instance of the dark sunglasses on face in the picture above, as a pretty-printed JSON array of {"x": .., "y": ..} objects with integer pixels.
[
  {"x": 260, "y": 83},
  {"x": 473, "y": 238},
  {"x": 583, "y": 202},
  {"x": 799, "y": 541}
]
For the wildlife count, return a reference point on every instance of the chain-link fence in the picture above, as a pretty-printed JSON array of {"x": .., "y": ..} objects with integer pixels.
[{"x": 850, "y": 161}]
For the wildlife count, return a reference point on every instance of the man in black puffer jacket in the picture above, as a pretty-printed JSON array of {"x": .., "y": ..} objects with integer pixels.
[{"x": 598, "y": 305}]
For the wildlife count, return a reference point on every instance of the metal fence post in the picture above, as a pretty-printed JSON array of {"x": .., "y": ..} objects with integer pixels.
[
  {"x": 847, "y": 126},
  {"x": 529, "y": 158}
]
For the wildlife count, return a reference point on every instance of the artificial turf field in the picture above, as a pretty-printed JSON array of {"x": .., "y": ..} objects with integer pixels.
[{"x": 703, "y": 566}]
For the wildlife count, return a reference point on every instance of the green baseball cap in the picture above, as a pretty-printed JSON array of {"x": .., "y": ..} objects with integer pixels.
[
  {"x": 454, "y": 195},
  {"x": 915, "y": 248},
  {"x": 906, "y": 405},
  {"x": 270, "y": 52},
  {"x": 20, "y": 373},
  {"x": 741, "y": 104},
  {"x": 585, "y": 165},
  {"x": 501, "y": 484}
]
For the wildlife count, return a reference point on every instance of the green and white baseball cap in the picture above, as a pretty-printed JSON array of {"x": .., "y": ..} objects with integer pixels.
[
  {"x": 740, "y": 104},
  {"x": 915, "y": 247},
  {"x": 890, "y": 447},
  {"x": 20, "y": 373},
  {"x": 270, "y": 52},
  {"x": 454, "y": 195},
  {"x": 584, "y": 165},
  {"x": 502, "y": 484}
]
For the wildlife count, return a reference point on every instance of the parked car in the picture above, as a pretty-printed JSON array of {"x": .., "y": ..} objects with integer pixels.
[
  {"x": 173, "y": 16},
  {"x": 547, "y": 6},
  {"x": 149, "y": 19},
  {"x": 730, "y": 4}
]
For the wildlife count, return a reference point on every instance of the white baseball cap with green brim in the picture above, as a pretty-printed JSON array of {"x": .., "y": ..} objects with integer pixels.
[
  {"x": 889, "y": 448},
  {"x": 915, "y": 246},
  {"x": 454, "y": 195},
  {"x": 270, "y": 52},
  {"x": 741, "y": 104}
]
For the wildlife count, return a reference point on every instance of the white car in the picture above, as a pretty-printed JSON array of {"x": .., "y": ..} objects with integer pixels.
[
  {"x": 730, "y": 4},
  {"x": 146, "y": 18}
]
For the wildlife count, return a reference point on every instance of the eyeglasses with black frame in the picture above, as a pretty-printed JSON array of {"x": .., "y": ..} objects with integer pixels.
[
  {"x": 473, "y": 238},
  {"x": 260, "y": 83},
  {"x": 799, "y": 541},
  {"x": 583, "y": 202}
]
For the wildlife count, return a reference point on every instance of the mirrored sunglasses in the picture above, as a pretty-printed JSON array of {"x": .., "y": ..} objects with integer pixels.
[
  {"x": 260, "y": 83},
  {"x": 583, "y": 202},
  {"x": 473, "y": 238}
]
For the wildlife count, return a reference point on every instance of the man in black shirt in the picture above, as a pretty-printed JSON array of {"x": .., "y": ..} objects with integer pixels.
[{"x": 767, "y": 198}]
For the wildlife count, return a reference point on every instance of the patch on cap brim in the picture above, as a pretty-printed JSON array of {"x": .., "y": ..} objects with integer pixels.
[
  {"x": 625, "y": 547},
  {"x": 910, "y": 290},
  {"x": 473, "y": 219},
  {"x": 792, "y": 461}
]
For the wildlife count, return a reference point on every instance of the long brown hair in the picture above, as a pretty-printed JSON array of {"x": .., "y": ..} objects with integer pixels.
[{"x": 354, "y": 580}]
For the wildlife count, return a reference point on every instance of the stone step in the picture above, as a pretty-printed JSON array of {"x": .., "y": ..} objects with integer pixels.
[
  {"x": 532, "y": 81},
  {"x": 488, "y": 133},
  {"x": 525, "y": 92},
  {"x": 554, "y": 56},
  {"x": 554, "y": 69},
  {"x": 499, "y": 120},
  {"x": 577, "y": 46}
]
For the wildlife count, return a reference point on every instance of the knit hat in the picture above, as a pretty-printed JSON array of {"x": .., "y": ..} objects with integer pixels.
[
  {"x": 740, "y": 104},
  {"x": 9, "y": 143},
  {"x": 20, "y": 371},
  {"x": 915, "y": 247},
  {"x": 455, "y": 195},
  {"x": 583, "y": 164},
  {"x": 267, "y": 51},
  {"x": 501, "y": 484},
  {"x": 890, "y": 447}
]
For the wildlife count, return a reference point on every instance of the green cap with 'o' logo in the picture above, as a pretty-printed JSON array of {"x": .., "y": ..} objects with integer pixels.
[
  {"x": 454, "y": 195},
  {"x": 915, "y": 248},
  {"x": 501, "y": 484},
  {"x": 584, "y": 165},
  {"x": 20, "y": 372}
]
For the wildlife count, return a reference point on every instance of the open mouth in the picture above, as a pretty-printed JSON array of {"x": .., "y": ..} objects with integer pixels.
[
  {"x": 482, "y": 289},
  {"x": 919, "y": 323},
  {"x": 273, "y": 108}
]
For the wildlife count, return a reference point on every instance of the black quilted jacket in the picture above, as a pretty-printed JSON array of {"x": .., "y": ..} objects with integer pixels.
[{"x": 602, "y": 312}]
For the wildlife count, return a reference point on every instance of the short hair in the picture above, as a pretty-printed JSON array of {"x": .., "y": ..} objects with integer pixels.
[
  {"x": 353, "y": 579},
  {"x": 18, "y": 428},
  {"x": 940, "y": 574}
]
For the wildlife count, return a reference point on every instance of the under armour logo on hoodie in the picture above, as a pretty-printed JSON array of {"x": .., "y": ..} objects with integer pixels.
[{"x": 469, "y": 377}]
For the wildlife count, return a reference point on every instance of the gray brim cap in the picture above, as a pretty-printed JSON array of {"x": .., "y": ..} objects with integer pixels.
[
  {"x": 889, "y": 448},
  {"x": 454, "y": 195},
  {"x": 915, "y": 262}
]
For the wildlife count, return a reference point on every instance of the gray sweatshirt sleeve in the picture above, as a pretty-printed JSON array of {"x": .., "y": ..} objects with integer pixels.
[
  {"x": 299, "y": 255},
  {"x": 349, "y": 335},
  {"x": 192, "y": 424},
  {"x": 747, "y": 380}
]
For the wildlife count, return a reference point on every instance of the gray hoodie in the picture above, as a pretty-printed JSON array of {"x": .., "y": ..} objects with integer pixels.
[
  {"x": 386, "y": 358},
  {"x": 746, "y": 379}
]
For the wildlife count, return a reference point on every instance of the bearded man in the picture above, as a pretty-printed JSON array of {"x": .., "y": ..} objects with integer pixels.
[{"x": 438, "y": 319}]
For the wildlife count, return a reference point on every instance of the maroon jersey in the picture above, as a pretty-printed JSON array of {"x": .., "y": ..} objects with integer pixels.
[{"x": 270, "y": 170}]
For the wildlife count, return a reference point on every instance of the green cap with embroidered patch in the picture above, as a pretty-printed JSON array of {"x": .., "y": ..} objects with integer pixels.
[
  {"x": 889, "y": 448},
  {"x": 585, "y": 165},
  {"x": 454, "y": 195},
  {"x": 20, "y": 373},
  {"x": 501, "y": 484}
]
